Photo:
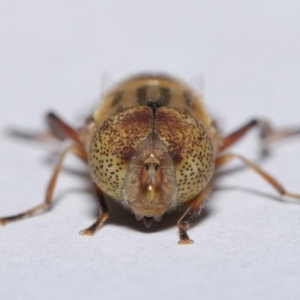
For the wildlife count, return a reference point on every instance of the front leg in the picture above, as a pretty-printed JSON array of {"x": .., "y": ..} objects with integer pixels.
[
  {"x": 184, "y": 221},
  {"x": 103, "y": 215},
  {"x": 75, "y": 149}
]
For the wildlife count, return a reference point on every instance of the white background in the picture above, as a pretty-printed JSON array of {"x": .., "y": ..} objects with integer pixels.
[{"x": 61, "y": 55}]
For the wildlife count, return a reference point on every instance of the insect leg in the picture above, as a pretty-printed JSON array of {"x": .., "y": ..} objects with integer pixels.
[
  {"x": 271, "y": 180},
  {"x": 267, "y": 133},
  {"x": 76, "y": 149},
  {"x": 103, "y": 215},
  {"x": 184, "y": 221},
  {"x": 61, "y": 129},
  {"x": 58, "y": 129}
]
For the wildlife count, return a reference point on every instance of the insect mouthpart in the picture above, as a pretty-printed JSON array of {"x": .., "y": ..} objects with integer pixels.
[{"x": 148, "y": 221}]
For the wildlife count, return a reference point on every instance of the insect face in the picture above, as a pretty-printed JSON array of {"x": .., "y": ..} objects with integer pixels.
[
  {"x": 151, "y": 159},
  {"x": 150, "y": 187}
]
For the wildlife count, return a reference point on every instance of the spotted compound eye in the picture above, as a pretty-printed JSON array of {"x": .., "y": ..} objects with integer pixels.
[
  {"x": 190, "y": 147},
  {"x": 113, "y": 145}
]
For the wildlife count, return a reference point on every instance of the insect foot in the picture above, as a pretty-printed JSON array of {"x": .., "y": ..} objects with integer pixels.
[
  {"x": 186, "y": 242},
  {"x": 87, "y": 231}
]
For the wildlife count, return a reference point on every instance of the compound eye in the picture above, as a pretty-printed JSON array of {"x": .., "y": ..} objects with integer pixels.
[
  {"x": 113, "y": 145},
  {"x": 191, "y": 149}
]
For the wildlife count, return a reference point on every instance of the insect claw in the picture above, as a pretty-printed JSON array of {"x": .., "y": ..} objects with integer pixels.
[
  {"x": 87, "y": 232},
  {"x": 185, "y": 242}
]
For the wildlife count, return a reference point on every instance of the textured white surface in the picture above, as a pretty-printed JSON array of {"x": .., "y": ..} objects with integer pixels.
[{"x": 53, "y": 55}]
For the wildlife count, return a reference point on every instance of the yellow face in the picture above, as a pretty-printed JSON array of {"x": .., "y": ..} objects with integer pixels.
[{"x": 151, "y": 158}]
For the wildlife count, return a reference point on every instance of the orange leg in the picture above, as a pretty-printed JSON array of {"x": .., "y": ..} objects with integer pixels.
[
  {"x": 103, "y": 215},
  {"x": 58, "y": 129},
  {"x": 61, "y": 129},
  {"x": 77, "y": 150},
  {"x": 272, "y": 181},
  {"x": 184, "y": 222},
  {"x": 267, "y": 133}
]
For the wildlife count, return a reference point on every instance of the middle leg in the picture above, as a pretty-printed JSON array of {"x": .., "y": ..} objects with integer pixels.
[{"x": 271, "y": 180}]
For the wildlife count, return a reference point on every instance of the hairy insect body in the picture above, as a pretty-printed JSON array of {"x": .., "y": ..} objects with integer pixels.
[{"x": 152, "y": 145}]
